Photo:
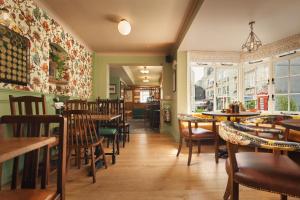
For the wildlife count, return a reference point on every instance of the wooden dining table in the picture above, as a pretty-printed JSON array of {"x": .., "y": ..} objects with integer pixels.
[
  {"x": 14, "y": 147},
  {"x": 293, "y": 124},
  {"x": 102, "y": 117},
  {"x": 230, "y": 115}
]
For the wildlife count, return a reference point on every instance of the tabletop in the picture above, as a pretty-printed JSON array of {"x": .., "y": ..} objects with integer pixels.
[
  {"x": 14, "y": 147},
  {"x": 108, "y": 117},
  {"x": 291, "y": 124},
  {"x": 240, "y": 114}
]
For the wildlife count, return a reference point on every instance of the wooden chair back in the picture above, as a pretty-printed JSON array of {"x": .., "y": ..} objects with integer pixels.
[
  {"x": 81, "y": 129},
  {"x": 122, "y": 111},
  {"x": 114, "y": 106},
  {"x": 34, "y": 126},
  {"x": 27, "y": 105},
  {"x": 76, "y": 104},
  {"x": 93, "y": 107}
]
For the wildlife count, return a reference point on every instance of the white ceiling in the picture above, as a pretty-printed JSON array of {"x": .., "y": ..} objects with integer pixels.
[
  {"x": 222, "y": 25},
  {"x": 153, "y": 76},
  {"x": 155, "y": 23}
]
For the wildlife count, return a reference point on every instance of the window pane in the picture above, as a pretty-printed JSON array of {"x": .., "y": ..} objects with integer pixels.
[
  {"x": 226, "y": 86},
  {"x": 281, "y": 103},
  {"x": 202, "y": 88},
  {"x": 295, "y": 87},
  {"x": 281, "y": 86},
  {"x": 295, "y": 102},
  {"x": 295, "y": 66},
  {"x": 282, "y": 68},
  {"x": 262, "y": 73},
  {"x": 144, "y": 95}
]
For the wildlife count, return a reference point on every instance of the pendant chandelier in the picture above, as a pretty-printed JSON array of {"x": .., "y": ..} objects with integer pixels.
[
  {"x": 146, "y": 80},
  {"x": 253, "y": 42}
]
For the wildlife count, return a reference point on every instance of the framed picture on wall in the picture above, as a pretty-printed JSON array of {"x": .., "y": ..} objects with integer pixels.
[
  {"x": 112, "y": 89},
  {"x": 174, "y": 80}
]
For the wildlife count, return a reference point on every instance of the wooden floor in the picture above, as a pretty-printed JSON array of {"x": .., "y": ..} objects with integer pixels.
[{"x": 148, "y": 169}]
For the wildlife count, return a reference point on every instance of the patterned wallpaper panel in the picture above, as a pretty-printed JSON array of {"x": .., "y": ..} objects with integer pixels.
[{"x": 34, "y": 23}]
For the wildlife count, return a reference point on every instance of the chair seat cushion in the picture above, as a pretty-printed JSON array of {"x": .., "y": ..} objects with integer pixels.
[
  {"x": 198, "y": 133},
  {"x": 28, "y": 194},
  {"x": 268, "y": 172},
  {"x": 107, "y": 131}
]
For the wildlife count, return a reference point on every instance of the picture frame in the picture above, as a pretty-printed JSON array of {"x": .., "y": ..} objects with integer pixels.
[
  {"x": 112, "y": 89},
  {"x": 174, "y": 80}
]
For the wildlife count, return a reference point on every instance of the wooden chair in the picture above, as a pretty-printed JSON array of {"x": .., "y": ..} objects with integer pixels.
[
  {"x": 267, "y": 121},
  {"x": 82, "y": 135},
  {"x": 263, "y": 171},
  {"x": 34, "y": 126},
  {"x": 76, "y": 104},
  {"x": 27, "y": 105},
  {"x": 124, "y": 125},
  {"x": 193, "y": 134}
]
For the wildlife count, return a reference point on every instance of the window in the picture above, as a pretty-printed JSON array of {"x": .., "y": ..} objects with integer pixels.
[
  {"x": 226, "y": 86},
  {"x": 256, "y": 79},
  {"x": 286, "y": 86},
  {"x": 144, "y": 95},
  {"x": 212, "y": 83}
]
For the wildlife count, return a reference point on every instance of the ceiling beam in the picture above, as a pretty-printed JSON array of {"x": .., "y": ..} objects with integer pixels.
[{"x": 190, "y": 15}]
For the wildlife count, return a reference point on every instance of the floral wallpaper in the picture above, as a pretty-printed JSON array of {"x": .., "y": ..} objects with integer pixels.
[{"x": 34, "y": 23}]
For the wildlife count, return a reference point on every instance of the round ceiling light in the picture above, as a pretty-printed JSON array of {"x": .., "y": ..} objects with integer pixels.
[{"x": 124, "y": 27}]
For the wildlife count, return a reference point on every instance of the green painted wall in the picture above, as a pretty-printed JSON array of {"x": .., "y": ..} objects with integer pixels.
[{"x": 179, "y": 103}]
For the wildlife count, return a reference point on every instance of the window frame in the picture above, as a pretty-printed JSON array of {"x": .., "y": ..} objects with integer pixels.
[{"x": 270, "y": 61}]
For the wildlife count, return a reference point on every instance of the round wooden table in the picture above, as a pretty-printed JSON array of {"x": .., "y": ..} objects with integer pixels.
[
  {"x": 229, "y": 115},
  {"x": 293, "y": 124}
]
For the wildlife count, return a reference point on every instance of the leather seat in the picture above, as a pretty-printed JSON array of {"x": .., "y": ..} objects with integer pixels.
[
  {"x": 198, "y": 133},
  {"x": 262, "y": 171}
]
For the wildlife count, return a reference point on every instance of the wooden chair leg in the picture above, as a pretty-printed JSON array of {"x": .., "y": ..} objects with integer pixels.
[
  {"x": 217, "y": 144},
  {"x": 190, "y": 152},
  {"x": 118, "y": 143},
  {"x": 107, "y": 142},
  {"x": 15, "y": 174},
  {"x": 93, "y": 163},
  {"x": 103, "y": 154},
  {"x": 234, "y": 190},
  {"x": 78, "y": 156},
  {"x": 128, "y": 129},
  {"x": 227, "y": 190},
  {"x": 179, "y": 147},
  {"x": 124, "y": 138},
  {"x": 68, "y": 160},
  {"x": 283, "y": 197},
  {"x": 0, "y": 176},
  {"x": 114, "y": 150},
  {"x": 199, "y": 147}
]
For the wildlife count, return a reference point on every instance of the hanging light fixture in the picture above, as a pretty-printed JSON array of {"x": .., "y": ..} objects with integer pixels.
[
  {"x": 124, "y": 27},
  {"x": 253, "y": 42},
  {"x": 146, "y": 80},
  {"x": 145, "y": 70}
]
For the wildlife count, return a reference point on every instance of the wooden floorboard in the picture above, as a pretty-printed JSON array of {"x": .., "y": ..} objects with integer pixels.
[{"x": 148, "y": 169}]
